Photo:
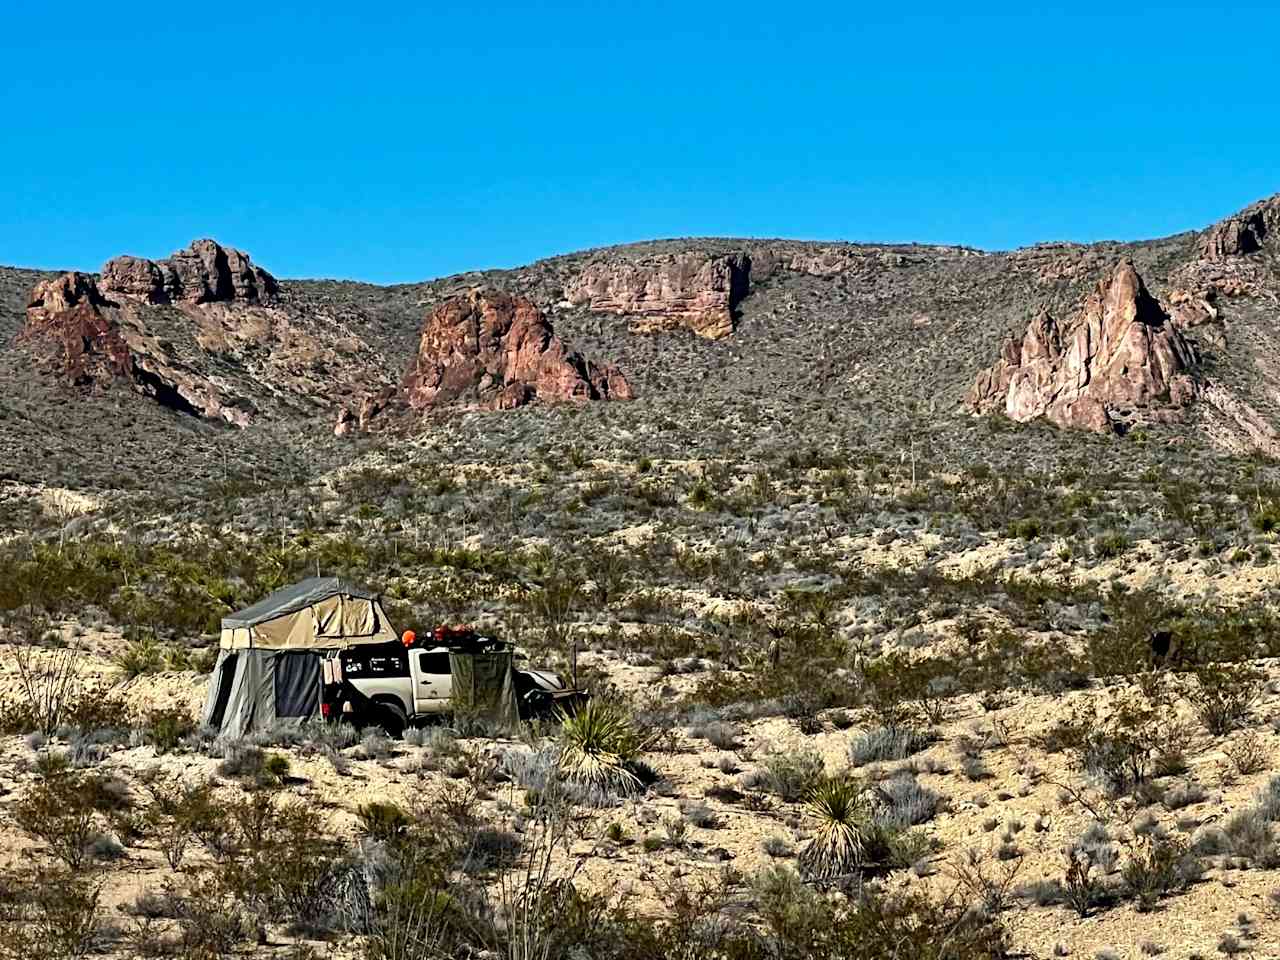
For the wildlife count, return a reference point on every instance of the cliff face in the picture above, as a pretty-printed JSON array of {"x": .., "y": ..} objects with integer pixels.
[
  {"x": 497, "y": 350},
  {"x": 1121, "y": 353},
  {"x": 684, "y": 290}
]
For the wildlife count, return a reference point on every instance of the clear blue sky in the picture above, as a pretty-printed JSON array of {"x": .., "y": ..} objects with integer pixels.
[{"x": 394, "y": 142}]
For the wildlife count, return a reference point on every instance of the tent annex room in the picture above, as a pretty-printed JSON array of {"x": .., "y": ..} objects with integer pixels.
[{"x": 269, "y": 665}]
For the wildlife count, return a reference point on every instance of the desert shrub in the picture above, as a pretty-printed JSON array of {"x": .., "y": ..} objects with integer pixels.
[
  {"x": 416, "y": 914},
  {"x": 723, "y": 736},
  {"x": 881, "y": 744},
  {"x": 166, "y": 728},
  {"x": 778, "y": 847},
  {"x": 844, "y": 821},
  {"x": 48, "y": 686},
  {"x": 700, "y": 815},
  {"x": 175, "y": 814},
  {"x": 1080, "y": 885},
  {"x": 1158, "y": 864},
  {"x": 902, "y": 689},
  {"x": 905, "y": 803},
  {"x": 141, "y": 657},
  {"x": 61, "y": 810},
  {"x": 790, "y": 776},
  {"x": 1183, "y": 795},
  {"x": 1267, "y": 800},
  {"x": 276, "y": 859},
  {"x": 52, "y": 914},
  {"x": 250, "y": 763},
  {"x": 383, "y": 821},
  {"x": 800, "y": 922},
  {"x": 1248, "y": 754},
  {"x": 1250, "y": 836},
  {"x": 1222, "y": 694},
  {"x": 376, "y": 745},
  {"x": 1110, "y": 544},
  {"x": 1138, "y": 740}
]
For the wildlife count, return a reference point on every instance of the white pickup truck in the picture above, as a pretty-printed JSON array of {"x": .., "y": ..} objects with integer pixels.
[{"x": 399, "y": 686}]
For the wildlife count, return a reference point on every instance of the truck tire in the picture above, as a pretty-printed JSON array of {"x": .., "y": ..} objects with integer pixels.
[{"x": 390, "y": 715}]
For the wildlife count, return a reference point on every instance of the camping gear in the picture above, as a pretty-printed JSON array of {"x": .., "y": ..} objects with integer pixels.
[{"x": 269, "y": 665}]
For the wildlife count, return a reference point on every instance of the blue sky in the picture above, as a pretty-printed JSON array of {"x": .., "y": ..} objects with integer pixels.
[{"x": 391, "y": 142}]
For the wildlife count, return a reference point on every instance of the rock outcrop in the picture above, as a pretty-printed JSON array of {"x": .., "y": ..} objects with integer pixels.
[
  {"x": 66, "y": 315},
  {"x": 688, "y": 290},
  {"x": 87, "y": 337},
  {"x": 204, "y": 272},
  {"x": 1122, "y": 353},
  {"x": 1244, "y": 233},
  {"x": 497, "y": 350}
]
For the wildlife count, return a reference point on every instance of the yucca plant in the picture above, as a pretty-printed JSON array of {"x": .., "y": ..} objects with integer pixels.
[
  {"x": 844, "y": 829},
  {"x": 599, "y": 746}
]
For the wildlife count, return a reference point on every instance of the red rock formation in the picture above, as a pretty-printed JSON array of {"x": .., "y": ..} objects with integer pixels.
[
  {"x": 1243, "y": 233},
  {"x": 80, "y": 331},
  {"x": 1122, "y": 352},
  {"x": 65, "y": 314},
  {"x": 205, "y": 272},
  {"x": 696, "y": 291},
  {"x": 499, "y": 350}
]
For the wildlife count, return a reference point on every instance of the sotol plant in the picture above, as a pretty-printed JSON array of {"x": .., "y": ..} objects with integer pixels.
[
  {"x": 599, "y": 747},
  {"x": 844, "y": 823}
]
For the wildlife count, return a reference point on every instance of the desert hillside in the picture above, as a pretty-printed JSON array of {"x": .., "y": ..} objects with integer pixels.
[{"x": 927, "y": 597}]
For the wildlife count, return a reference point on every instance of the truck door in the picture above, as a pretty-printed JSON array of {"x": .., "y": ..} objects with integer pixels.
[{"x": 433, "y": 681}]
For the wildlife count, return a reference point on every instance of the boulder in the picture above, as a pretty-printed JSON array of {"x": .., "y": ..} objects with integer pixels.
[
  {"x": 204, "y": 272},
  {"x": 498, "y": 350},
  {"x": 695, "y": 291},
  {"x": 1121, "y": 353}
]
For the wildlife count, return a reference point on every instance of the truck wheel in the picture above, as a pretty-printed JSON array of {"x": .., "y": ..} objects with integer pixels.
[{"x": 391, "y": 717}]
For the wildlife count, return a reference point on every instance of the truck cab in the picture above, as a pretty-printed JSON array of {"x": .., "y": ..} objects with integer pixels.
[
  {"x": 417, "y": 681},
  {"x": 393, "y": 685}
]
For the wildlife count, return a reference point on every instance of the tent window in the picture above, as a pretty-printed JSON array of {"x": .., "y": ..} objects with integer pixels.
[{"x": 297, "y": 682}]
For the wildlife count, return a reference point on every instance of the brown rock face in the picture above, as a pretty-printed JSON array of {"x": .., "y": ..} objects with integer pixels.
[
  {"x": 691, "y": 290},
  {"x": 1244, "y": 233},
  {"x": 205, "y": 272},
  {"x": 1121, "y": 353},
  {"x": 81, "y": 332},
  {"x": 65, "y": 314},
  {"x": 500, "y": 351}
]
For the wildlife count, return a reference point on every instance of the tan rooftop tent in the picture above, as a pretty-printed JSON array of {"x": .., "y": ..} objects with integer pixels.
[{"x": 268, "y": 669}]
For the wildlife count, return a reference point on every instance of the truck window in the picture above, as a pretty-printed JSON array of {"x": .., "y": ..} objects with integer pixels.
[{"x": 437, "y": 663}]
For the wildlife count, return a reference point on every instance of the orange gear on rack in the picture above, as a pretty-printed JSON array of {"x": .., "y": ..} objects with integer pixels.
[{"x": 408, "y": 638}]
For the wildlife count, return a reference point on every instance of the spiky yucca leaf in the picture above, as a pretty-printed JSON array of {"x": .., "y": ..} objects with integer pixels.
[
  {"x": 598, "y": 747},
  {"x": 844, "y": 825}
]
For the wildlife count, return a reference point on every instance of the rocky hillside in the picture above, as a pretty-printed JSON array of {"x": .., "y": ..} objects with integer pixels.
[{"x": 171, "y": 354}]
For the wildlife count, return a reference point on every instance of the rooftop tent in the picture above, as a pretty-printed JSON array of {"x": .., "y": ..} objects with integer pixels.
[
  {"x": 268, "y": 669},
  {"x": 324, "y": 612}
]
